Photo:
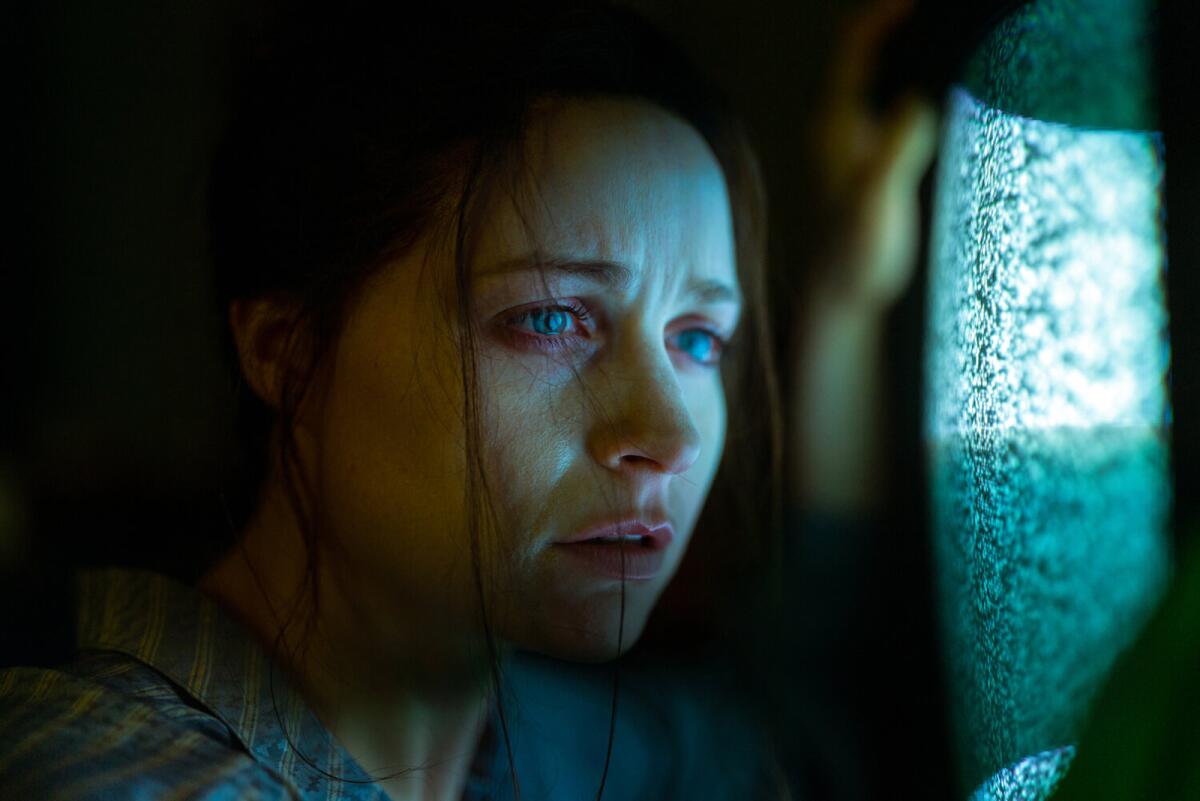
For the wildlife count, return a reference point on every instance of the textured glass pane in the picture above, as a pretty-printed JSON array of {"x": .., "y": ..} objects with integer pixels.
[{"x": 1046, "y": 413}]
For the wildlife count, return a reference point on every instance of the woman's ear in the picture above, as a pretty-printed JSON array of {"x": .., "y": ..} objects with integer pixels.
[{"x": 262, "y": 332}]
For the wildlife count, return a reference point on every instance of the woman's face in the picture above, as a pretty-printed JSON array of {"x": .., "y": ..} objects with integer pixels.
[{"x": 601, "y": 394}]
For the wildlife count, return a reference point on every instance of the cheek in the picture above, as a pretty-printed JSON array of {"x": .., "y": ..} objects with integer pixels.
[
  {"x": 719, "y": 422},
  {"x": 543, "y": 477},
  {"x": 708, "y": 411},
  {"x": 532, "y": 440},
  {"x": 390, "y": 469}
]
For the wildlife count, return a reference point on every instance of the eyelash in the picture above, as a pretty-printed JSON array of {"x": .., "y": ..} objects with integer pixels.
[{"x": 555, "y": 344}]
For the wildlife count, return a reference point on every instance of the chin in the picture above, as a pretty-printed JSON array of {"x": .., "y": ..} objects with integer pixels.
[
  {"x": 592, "y": 651},
  {"x": 588, "y": 633}
]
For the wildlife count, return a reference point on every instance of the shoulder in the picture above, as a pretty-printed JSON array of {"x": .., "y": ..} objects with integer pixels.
[{"x": 107, "y": 726}]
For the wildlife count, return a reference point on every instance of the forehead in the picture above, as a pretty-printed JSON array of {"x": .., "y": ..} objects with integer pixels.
[{"x": 619, "y": 180}]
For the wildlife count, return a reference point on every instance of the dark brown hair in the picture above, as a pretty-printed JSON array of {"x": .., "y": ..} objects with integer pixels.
[{"x": 352, "y": 132}]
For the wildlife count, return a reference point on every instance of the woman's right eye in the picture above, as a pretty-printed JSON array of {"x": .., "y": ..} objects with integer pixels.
[
  {"x": 549, "y": 321},
  {"x": 548, "y": 327}
]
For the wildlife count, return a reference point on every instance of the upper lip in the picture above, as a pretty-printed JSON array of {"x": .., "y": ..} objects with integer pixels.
[{"x": 656, "y": 529}]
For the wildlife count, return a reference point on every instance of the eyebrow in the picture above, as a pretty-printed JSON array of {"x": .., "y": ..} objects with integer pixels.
[{"x": 615, "y": 275}]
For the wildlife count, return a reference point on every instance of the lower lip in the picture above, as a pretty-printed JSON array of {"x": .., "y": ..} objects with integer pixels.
[{"x": 640, "y": 563}]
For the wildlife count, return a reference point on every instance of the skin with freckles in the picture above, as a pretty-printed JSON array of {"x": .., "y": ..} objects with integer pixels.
[
  {"x": 632, "y": 415},
  {"x": 627, "y": 414},
  {"x": 600, "y": 398}
]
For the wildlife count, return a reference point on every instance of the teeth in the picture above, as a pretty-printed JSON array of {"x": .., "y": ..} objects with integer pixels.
[{"x": 618, "y": 538}]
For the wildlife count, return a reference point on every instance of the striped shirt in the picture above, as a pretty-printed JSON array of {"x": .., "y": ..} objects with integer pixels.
[{"x": 170, "y": 698}]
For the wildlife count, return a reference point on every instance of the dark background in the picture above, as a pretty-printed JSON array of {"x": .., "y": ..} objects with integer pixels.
[{"x": 115, "y": 429}]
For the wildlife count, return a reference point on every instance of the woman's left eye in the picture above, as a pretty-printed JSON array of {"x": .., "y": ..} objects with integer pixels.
[{"x": 710, "y": 345}]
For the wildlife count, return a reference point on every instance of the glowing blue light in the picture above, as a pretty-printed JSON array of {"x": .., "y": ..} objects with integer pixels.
[
  {"x": 1046, "y": 415},
  {"x": 1030, "y": 779},
  {"x": 1047, "y": 305}
]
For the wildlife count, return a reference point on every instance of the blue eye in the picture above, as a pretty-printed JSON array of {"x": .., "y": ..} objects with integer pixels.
[
  {"x": 554, "y": 321},
  {"x": 548, "y": 328},
  {"x": 703, "y": 346},
  {"x": 550, "y": 321}
]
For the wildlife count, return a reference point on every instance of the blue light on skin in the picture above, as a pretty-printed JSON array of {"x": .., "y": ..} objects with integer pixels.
[
  {"x": 1046, "y": 417},
  {"x": 632, "y": 222}
]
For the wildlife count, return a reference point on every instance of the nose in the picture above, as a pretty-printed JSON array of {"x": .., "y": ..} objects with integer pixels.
[{"x": 642, "y": 419}]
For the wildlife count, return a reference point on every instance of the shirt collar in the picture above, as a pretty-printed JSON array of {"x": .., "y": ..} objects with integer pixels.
[{"x": 187, "y": 637}]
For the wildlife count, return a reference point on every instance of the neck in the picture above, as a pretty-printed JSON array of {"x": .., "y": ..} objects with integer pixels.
[{"x": 401, "y": 695}]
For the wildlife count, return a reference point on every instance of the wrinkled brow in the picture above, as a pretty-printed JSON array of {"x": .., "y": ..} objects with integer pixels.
[{"x": 613, "y": 275}]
